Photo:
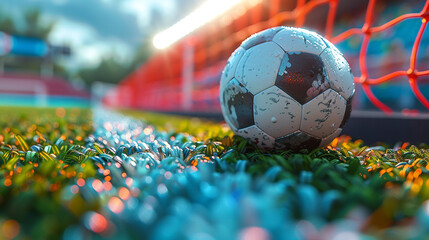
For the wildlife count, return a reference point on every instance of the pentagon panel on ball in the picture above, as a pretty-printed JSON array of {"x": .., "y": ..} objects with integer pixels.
[
  {"x": 287, "y": 88},
  {"x": 302, "y": 75},
  {"x": 297, "y": 140}
]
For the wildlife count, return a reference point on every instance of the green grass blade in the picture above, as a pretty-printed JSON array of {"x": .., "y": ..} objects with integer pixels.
[
  {"x": 22, "y": 143},
  {"x": 11, "y": 162},
  {"x": 45, "y": 156}
]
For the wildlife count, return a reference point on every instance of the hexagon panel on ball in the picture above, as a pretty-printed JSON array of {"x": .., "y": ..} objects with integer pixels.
[
  {"x": 287, "y": 88},
  {"x": 275, "y": 112}
]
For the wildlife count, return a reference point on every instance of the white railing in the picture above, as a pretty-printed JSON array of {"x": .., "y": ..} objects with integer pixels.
[{"x": 38, "y": 88}]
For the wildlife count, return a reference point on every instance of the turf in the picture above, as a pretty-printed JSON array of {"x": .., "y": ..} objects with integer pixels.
[{"x": 150, "y": 176}]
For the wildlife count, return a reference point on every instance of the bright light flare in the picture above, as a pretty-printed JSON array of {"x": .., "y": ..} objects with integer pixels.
[{"x": 202, "y": 15}]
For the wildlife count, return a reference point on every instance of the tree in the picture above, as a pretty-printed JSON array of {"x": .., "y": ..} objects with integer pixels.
[
  {"x": 7, "y": 25},
  {"x": 109, "y": 70},
  {"x": 34, "y": 26},
  {"x": 142, "y": 54}
]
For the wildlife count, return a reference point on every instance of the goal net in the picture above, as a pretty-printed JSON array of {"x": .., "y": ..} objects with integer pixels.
[{"x": 384, "y": 41}]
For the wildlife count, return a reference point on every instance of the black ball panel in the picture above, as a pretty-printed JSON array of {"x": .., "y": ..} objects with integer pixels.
[
  {"x": 296, "y": 141},
  {"x": 261, "y": 37},
  {"x": 239, "y": 104},
  {"x": 302, "y": 75},
  {"x": 347, "y": 113}
]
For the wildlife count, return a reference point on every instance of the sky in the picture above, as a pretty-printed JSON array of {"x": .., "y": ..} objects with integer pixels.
[{"x": 97, "y": 28}]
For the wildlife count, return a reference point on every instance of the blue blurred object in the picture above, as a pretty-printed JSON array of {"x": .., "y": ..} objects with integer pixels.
[
  {"x": 29, "y": 47},
  {"x": 25, "y": 46}
]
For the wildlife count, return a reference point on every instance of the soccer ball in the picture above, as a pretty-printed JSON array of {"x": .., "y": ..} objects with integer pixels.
[{"x": 287, "y": 88}]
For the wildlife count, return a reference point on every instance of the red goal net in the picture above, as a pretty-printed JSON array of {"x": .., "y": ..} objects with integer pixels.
[
  {"x": 367, "y": 30},
  {"x": 384, "y": 41}
]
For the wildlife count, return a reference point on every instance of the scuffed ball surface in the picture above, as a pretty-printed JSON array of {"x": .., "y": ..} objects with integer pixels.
[{"x": 287, "y": 88}]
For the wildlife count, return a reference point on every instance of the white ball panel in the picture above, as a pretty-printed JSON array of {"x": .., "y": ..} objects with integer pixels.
[
  {"x": 257, "y": 69},
  {"x": 276, "y": 113},
  {"x": 256, "y": 135},
  {"x": 299, "y": 40},
  {"x": 327, "y": 140},
  {"x": 229, "y": 70},
  {"x": 339, "y": 72},
  {"x": 260, "y": 37},
  {"x": 323, "y": 115},
  {"x": 332, "y": 46}
]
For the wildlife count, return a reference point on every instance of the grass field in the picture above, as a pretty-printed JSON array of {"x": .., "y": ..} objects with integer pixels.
[{"x": 81, "y": 174}]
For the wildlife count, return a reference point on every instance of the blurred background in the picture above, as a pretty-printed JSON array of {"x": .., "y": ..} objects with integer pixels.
[{"x": 65, "y": 53}]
